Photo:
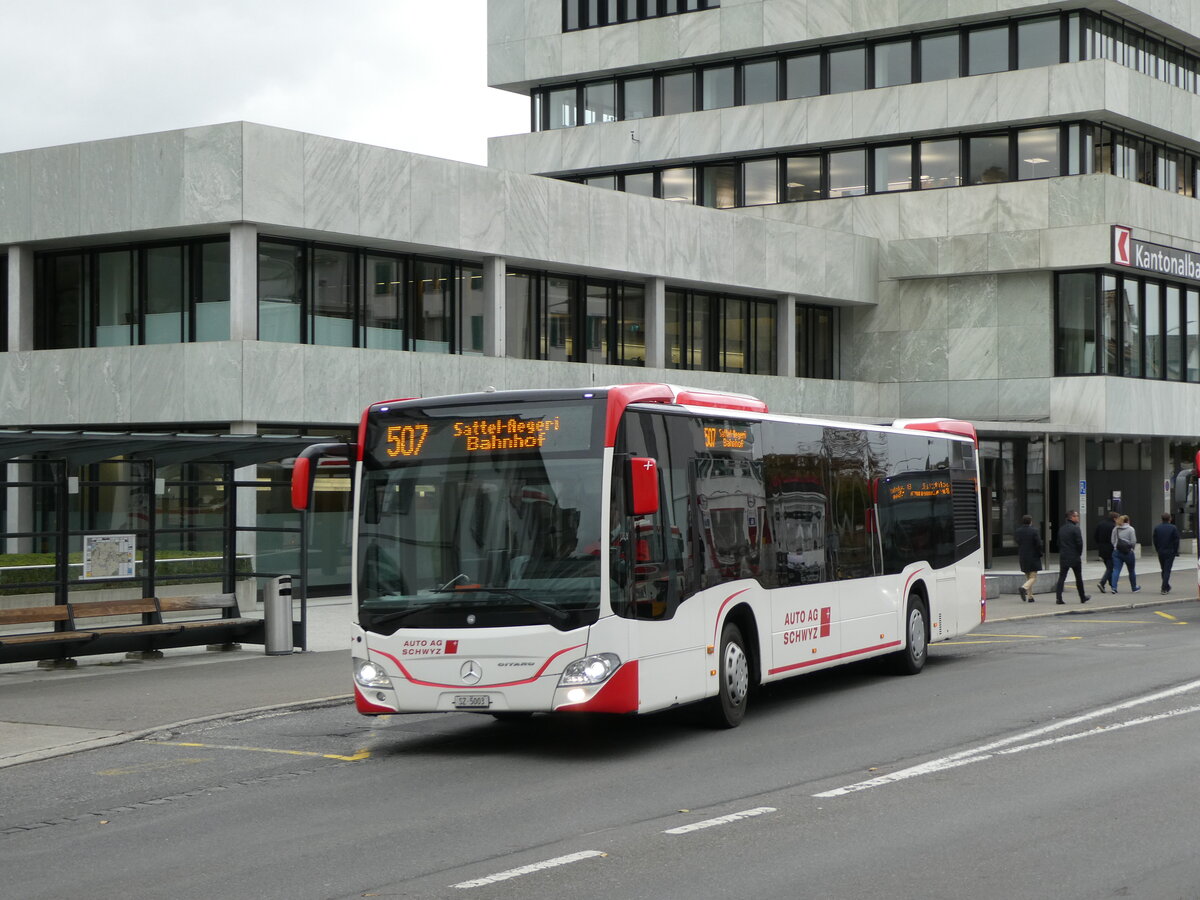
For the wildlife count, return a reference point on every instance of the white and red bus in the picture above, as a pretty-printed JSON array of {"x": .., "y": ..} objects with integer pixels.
[{"x": 633, "y": 548}]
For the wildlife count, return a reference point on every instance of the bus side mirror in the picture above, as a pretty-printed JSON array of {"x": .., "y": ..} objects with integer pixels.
[
  {"x": 304, "y": 470},
  {"x": 301, "y": 483},
  {"x": 643, "y": 486}
]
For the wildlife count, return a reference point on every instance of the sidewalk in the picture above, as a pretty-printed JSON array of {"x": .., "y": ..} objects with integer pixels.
[{"x": 109, "y": 700}]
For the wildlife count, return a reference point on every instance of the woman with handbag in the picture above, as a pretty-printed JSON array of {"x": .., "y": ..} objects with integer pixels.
[{"x": 1124, "y": 539}]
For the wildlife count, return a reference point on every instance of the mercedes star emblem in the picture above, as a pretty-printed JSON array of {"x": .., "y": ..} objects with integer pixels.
[{"x": 471, "y": 672}]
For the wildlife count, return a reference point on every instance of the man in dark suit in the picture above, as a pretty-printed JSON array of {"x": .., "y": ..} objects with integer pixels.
[
  {"x": 1070, "y": 556},
  {"x": 1029, "y": 555},
  {"x": 1102, "y": 538},
  {"x": 1166, "y": 544}
]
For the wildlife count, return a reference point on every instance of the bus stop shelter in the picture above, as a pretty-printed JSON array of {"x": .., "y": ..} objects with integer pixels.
[{"x": 92, "y": 510}]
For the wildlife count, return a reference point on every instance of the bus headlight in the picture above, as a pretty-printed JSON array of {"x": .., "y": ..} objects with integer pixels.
[
  {"x": 370, "y": 675},
  {"x": 590, "y": 669}
]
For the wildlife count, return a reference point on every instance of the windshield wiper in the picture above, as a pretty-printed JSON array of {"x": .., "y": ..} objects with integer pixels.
[
  {"x": 554, "y": 612},
  {"x": 405, "y": 613}
]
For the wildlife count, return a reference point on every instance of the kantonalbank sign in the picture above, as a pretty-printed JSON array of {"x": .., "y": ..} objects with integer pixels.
[{"x": 1157, "y": 258}]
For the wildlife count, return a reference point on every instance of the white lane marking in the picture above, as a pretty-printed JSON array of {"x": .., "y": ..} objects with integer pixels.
[
  {"x": 978, "y": 754},
  {"x": 721, "y": 820},
  {"x": 530, "y": 869}
]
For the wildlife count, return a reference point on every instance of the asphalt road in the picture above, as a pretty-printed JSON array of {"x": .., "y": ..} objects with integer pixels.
[{"x": 1056, "y": 759}]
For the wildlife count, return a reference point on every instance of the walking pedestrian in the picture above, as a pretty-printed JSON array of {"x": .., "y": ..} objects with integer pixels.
[
  {"x": 1029, "y": 556},
  {"x": 1102, "y": 538},
  {"x": 1166, "y": 545},
  {"x": 1124, "y": 540},
  {"x": 1070, "y": 556}
]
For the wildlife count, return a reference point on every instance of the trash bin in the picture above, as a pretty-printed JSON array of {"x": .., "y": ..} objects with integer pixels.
[{"x": 277, "y": 615}]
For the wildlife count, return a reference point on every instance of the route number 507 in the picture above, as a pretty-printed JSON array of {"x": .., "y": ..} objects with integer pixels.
[{"x": 406, "y": 440}]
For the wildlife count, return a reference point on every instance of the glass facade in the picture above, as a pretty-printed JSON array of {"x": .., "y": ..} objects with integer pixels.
[
  {"x": 572, "y": 319},
  {"x": 1004, "y": 46},
  {"x": 919, "y": 57},
  {"x": 1014, "y": 154},
  {"x": 1126, "y": 325},
  {"x": 579, "y": 14},
  {"x": 151, "y": 294},
  {"x": 347, "y": 297}
]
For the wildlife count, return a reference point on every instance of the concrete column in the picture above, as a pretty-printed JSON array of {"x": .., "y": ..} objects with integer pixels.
[
  {"x": 656, "y": 323},
  {"x": 1160, "y": 465},
  {"x": 493, "y": 306},
  {"x": 1075, "y": 474},
  {"x": 19, "y": 513},
  {"x": 785, "y": 334},
  {"x": 247, "y": 498},
  {"x": 20, "y": 298},
  {"x": 243, "y": 281}
]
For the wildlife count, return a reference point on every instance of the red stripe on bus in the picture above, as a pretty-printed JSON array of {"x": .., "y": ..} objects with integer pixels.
[
  {"x": 724, "y": 604},
  {"x": 815, "y": 662},
  {"x": 536, "y": 675}
]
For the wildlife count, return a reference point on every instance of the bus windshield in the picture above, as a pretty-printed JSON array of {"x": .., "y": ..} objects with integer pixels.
[{"x": 478, "y": 517}]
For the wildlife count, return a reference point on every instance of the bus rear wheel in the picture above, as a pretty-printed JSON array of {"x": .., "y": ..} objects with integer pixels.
[
  {"x": 728, "y": 708},
  {"x": 911, "y": 659}
]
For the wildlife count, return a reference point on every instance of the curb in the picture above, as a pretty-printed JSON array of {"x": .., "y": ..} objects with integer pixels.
[
  {"x": 1083, "y": 610},
  {"x": 126, "y": 737}
]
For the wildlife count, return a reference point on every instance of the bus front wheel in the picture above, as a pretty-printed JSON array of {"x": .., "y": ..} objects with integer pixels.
[
  {"x": 911, "y": 659},
  {"x": 728, "y": 708}
]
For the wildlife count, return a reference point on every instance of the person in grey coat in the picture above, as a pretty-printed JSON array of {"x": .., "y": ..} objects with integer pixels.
[
  {"x": 1070, "y": 556},
  {"x": 1124, "y": 540},
  {"x": 1029, "y": 555}
]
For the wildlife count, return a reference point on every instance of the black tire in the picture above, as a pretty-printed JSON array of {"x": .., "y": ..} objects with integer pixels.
[
  {"x": 728, "y": 708},
  {"x": 911, "y": 659}
]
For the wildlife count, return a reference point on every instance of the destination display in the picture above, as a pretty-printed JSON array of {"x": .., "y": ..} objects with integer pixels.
[
  {"x": 410, "y": 435},
  {"x": 918, "y": 489},
  {"x": 725, "y": 437}
]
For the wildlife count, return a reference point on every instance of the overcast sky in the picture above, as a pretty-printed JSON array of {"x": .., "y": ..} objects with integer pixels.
[{"x": 408, "y": 74}]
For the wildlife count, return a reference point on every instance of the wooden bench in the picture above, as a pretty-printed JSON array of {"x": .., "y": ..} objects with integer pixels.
[
  {"x": 67, "y": 636},
  {"x": 50, "y": 642}
]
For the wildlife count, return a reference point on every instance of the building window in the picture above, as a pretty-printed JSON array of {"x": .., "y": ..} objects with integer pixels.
[
  {"x": 716, "y": 90},
  {"x": 816, "y": 342},
  {"x": 600, "y": 102},
  {"x": 1038, "y": 42},
  {"x": 802, "y": 178},
  {"x": 151, "y": 294},
  {"x": 346, "y": 297},
  {"x": 678, "y": 93},
  {"x": 987, "y": 50},
  {"x": 941, "y": 164},
  {"x": 847, "y": 173},
  {"x": 892, "y": 63},
  {"x": 891, "y": 168},
  {"x": 3, "y": 303},
  {"x": 679, "y": 184},
  {"x": 637, "y": 98},
  {"x": 1075, "y": 346},
  {"x": 987, "y": 159},
  {"x": 570, "y": 319},
  {"x": 940, "y": 56},
  {"x": 760, "y": 82},
  {"x": 847, "y": 70},
  {"x": 1148, "y": 328},
  {"x": 760, "y": 182},
  {"x": 720, "y": 186},
  {"x": 802, "y": 76},
  {"x": 1039, "y": 153}
]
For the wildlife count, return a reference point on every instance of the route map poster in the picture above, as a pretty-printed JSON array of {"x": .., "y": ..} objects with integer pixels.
[{"x": 108, "y": 555}]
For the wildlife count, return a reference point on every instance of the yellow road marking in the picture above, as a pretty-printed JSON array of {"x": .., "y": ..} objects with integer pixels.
[
  {"x": 149, "y": 767},
  {"x": 356, "y": 757},
  {"x": 1166, "y": 616}
]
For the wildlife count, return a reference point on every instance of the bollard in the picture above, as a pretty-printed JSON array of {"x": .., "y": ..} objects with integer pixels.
[{"x": 277, "y": 615}]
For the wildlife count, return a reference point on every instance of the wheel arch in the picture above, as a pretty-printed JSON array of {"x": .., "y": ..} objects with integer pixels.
[
  {"x": 919, "y": 588},
  {"x": 743, "y": 616}
]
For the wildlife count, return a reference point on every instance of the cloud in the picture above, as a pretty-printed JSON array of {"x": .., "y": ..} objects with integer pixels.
[{"x": 400, "y": 73}]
